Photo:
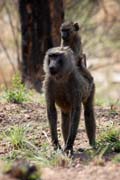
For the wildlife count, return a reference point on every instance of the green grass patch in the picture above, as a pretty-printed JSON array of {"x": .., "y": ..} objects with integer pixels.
[
  {"x": 18, "y": 92},
  {"x": 16, "y": 135},
  {"x": 21, "y": 147},
  {"x": 108, "y": 141}
]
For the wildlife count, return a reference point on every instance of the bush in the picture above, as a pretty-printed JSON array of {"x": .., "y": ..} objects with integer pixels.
[{"x": 18, "y": 92}]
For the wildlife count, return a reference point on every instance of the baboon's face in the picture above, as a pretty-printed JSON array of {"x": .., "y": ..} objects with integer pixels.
[
  {"x": 55, "y": 64},
  {"x": 59, "y": 63},
  {"x": 66, "y": 33},
  {"x": 68, "y": 30}
]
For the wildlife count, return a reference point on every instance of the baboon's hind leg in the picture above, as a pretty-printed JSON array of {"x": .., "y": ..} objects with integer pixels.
[{"x": 90, "y": 118}]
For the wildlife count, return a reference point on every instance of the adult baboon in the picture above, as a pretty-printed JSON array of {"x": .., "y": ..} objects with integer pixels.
[
  {"x": 65, "y": 86},
  {"x": 71, "y": 38}
]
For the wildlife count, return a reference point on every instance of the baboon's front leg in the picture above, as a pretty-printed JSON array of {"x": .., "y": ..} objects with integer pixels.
[
  {"x": 52, "y": 117},
  {"x": 75, "y": 116},
  {"x": 65, "y": 125}
]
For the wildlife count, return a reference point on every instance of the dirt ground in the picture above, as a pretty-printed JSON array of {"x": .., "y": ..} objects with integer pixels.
[{"x": 34, "y": 115}]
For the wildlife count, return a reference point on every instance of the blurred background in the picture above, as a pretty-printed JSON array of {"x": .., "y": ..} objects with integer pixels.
[{"x": 99, "y": 22}]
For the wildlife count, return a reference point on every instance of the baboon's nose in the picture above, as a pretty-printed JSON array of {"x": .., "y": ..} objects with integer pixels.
[{"x": 52, "y": 70}]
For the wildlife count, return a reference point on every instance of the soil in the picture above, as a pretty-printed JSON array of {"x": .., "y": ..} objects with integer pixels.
[{"x": 34, "y": 115}]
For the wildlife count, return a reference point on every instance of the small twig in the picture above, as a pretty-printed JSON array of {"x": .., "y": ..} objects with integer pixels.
[
  {"x": 102, "y": 3},
  {"x": 14, "y": 34},
  {"x": 30, "y": 145},
  {"x": 7, "y": 54},
  {"x": 61, "y": 44},
  {"x": 45, "y": 134},
  {"x": 2, "y": 6},
  {"x": 4, "y": 80}
]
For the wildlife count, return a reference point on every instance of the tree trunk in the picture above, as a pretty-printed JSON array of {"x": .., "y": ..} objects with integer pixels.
[{"x": 40, "y": 22}]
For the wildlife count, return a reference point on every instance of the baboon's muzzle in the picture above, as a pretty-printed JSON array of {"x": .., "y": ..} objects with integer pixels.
[
  {"x": 65, "y": 35},
  {"x": 53, "y": 70}
]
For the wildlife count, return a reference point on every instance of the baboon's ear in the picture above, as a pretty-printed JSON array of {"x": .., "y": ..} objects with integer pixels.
[{"x": 76, "y": 26}]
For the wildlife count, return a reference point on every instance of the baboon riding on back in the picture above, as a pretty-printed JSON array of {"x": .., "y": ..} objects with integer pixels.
[
  {"x": 68, "y": 88},
  {"x": 70, "y": 37}
]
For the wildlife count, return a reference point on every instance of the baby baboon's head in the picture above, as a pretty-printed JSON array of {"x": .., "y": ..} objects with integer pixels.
[
  {"x": 59, "y": 62},
  {"x": 68, "y": 30}
]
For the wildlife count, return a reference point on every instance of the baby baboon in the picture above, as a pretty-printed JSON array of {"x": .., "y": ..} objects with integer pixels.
[
  {"x": 71, "y": 38},
  {"x": 68, "y": 88}
]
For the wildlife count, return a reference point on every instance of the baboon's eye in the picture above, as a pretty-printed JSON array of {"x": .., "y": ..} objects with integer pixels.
[
  {"x": 60, "y": 61},
  {"x": 48, "y": 61}
]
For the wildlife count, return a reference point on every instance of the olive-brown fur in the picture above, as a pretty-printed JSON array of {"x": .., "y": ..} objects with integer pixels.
[{"x": 67, "y": 88}]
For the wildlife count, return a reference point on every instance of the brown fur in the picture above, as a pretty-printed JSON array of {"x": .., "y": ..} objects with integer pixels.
[
  {"x": 68, "y": 88},
  {"x": 71, "y": 38}
]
